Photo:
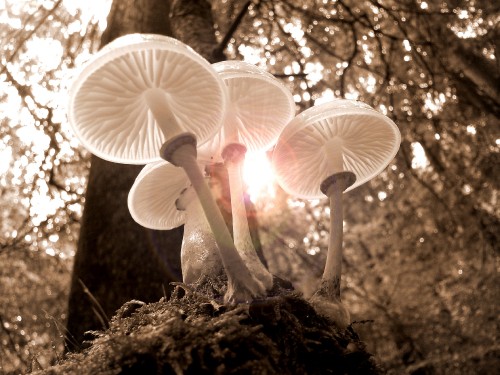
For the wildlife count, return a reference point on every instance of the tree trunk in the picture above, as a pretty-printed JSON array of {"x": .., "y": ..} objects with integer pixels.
[{"x": 118, "y": 260}]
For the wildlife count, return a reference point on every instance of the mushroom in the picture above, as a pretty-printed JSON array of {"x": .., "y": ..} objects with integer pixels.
[
  {"x": 142, "y": 92},
  {"x": 161, "y": 198},
  {"x": 259, "y": 107},
  {"x": 138, "y": 92},
  {"x": 328, "y": 149}
]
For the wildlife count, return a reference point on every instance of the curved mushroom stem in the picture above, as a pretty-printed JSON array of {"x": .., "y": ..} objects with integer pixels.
[
  {"x": 242, "y": 286},
  {"x": 326, "y": 300},
  {"x": 234, "y": 155},
  {"x": 199, "y": 254}
]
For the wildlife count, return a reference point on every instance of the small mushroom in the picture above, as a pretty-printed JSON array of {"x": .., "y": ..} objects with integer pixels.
[
  {"x": 259, "y": 107},
  {"x": 161, "y": 198},
  {"x": 142, "y": 92},
  {"x": 328, "y": 149}
]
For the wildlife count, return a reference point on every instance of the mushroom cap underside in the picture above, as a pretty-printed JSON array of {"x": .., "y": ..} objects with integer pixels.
[
  {"x": 259, "y": 107},
  {"x": 367, "y": 139},
  {"x": 151, "y": 200},
  {"x": 108, "y": 109}
]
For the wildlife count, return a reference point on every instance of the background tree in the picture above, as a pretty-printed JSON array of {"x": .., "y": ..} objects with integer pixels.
[
  {"x": 421, "y": 240},
  {"x": 118, "y": 260}
]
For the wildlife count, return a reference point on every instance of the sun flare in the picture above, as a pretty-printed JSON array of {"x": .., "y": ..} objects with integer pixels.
[{"x": 258, "y": 175}]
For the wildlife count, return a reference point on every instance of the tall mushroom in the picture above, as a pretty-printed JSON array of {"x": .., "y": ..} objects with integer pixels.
[
  {"x": 259, "y": 107},
  {"x": 161, "y": 198},
  {"x": 328, "y": 149},
  {"x": 144, "y": 92}
]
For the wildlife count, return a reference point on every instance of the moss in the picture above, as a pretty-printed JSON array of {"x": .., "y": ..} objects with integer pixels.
[{"x": 195, "y": 334}]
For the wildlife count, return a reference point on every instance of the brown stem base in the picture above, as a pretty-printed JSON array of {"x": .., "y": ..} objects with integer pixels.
[
  {"x": 169, "y": 148},
  {"x": 341, "y": 179},
  {"x": 234, "y": 153}
]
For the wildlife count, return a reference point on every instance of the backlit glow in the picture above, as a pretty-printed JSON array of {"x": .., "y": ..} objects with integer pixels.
[
  {"x": 5, "y": 159},
  {"x": 419, "y": 160},
  {"x": 259, "y": 176},
  {"x": 47, "y": 52},
  {"x": 326, "y": 96}
]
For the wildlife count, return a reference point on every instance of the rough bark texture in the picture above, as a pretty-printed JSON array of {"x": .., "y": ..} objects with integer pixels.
[
  {"x": 117, "y": 260},
  {"x": 192, "y": 23}
]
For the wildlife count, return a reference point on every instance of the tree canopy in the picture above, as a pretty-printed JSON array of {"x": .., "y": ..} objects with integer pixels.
[{"x": 421, "y": 240}]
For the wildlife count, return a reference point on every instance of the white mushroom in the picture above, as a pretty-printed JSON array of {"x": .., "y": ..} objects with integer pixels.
[
  {"x": 328, "y": 149},
  {"x": 161, "y": 198},
  {"x": 259, "y": 107},
  {"x": 143, "y": 92}
]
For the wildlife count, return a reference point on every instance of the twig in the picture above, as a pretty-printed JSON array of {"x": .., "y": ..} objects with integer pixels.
[{"x": 232, "y": 29}]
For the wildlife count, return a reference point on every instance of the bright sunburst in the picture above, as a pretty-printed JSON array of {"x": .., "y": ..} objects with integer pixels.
[{"x": 258, "y": 175}]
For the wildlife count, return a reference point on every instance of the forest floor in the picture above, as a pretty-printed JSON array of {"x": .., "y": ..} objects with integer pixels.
[{"x": 194, "y": 333}]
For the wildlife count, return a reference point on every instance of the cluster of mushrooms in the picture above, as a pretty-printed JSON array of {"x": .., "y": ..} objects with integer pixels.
[{"x": 150, "y": 99}]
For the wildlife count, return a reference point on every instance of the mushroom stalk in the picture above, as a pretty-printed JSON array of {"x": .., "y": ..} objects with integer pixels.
[
  {"x": 327, "y": 298},
  {"x": 234, "y": 155},
  {"x": 157, "y": 103},
  {"x": 333, "y": 266},
  {"x": 199, "y": 254},
  {"x": 242, "y": 286},
  {"x": 180, "y": 150}
]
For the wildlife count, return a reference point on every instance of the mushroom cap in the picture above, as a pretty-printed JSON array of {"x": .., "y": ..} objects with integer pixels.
[
  {"x": 369, "y": 140},
  {"x": 108, "y": 109},
  {"x": 259, "y": 107},
  {"x": 151, "y": 200}
]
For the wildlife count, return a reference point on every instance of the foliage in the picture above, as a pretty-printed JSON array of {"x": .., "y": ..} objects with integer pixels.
[{"x": 421, "y": 240}]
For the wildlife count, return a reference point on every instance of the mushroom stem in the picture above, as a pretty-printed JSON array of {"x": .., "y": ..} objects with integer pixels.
[
  {"x": 158, "y": 104},
  {"x": 242, "y": 286},
  {"x": 333, "y": 267},
  {"x": 327, "y": 298},
  {"x": 234, "y": 155},
  {"x": 199, "y": 254}
]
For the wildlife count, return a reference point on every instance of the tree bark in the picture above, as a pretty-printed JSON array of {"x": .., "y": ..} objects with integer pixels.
[{"x": 117, "y": 260}]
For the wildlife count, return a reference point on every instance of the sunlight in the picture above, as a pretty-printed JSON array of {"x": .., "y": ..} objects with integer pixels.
[
  {"x": 47, "y": 52},
  {"x": 5, "y": 159},
  {"x": 434, "y": 103},
  {"x": 326, "y": 96},
  {"x": 251, "y": 54},
  {"x": 419, "y": 160},
  {"x": 369, "y": 83},
  {"x": 258, "y": 176},
  {"x": 89, "y": 10}
]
